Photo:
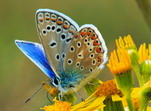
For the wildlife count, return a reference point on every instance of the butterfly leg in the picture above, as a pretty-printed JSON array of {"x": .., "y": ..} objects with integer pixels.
[
  {"x": 49, "y": 98},
  {"x": 60, "y": 96},
  {"x": 77, "y": 94},
  {"x": 89, "y": 83}
]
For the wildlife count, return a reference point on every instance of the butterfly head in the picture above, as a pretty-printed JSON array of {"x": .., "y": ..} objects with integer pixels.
[{"x": 60, "y": 85}]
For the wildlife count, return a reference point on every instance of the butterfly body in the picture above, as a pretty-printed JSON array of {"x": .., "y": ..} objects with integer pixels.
[
  {"x": 68, "y": 54},
  {"x": 69, "y": 79}
]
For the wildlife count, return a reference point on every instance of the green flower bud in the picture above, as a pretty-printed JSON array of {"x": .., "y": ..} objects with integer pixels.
[{"x": 145, "y": 69}]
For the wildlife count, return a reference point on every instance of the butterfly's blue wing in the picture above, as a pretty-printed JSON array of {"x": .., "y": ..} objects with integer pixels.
[{"x": 36, "y": 54}]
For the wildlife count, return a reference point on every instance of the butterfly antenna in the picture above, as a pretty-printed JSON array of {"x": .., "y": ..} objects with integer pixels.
[
  {"x": 34, "y": 94},
  {"x": 77, "y": 94}
]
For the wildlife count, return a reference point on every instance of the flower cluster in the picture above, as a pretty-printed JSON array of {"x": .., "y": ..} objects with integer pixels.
[{"x": 120, "y": 93}]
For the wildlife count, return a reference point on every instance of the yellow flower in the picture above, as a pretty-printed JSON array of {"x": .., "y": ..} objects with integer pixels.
[
  {"x": 58, "y": 106},
  {"x": 109, "y": 90},
  {"x": 144, "y": 53},
  {"x": 111, "y": 95},
  {"x": 126, "y": 43},
  {"x": 90, "y": 104},
  {"x": 136, "y": 57},
  {"x": 148, "y": 108},
  {"x": 119, "y": 63}
]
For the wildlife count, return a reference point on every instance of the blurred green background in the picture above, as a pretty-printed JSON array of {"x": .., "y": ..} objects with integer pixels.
[{"x": 19, "y": 77}]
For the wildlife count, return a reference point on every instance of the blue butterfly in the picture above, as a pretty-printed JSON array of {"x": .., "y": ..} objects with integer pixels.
[{"x": 68, "y": 54}]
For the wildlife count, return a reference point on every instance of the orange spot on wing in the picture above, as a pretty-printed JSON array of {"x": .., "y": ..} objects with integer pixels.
[
  {"x": 53, "y": 19},
  {"x": 83, "y": 33},
  {"x": 76, "y": 36},
  {"x": 99, "y": 59},
  {"x": 59, "y": 22},
  {"x": 66, "y": 26},
  {"x": 98, "y": 50},
  {"x": 93, "y": 38},
  {"x": 89, "y": 33},
  {"x": 41, "y": 20},
  {"x": 47, "y": 18},
  {"x": 95, "y": 43}
]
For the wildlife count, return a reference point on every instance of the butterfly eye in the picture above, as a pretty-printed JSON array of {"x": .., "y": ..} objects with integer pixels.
[
  {"x": 71, "y": 86},
  {"x": 59, "y": 21},
  {"x": 55, "y": 81},
  {"x": 53, "y": 17},
  {"x": 66, "y": 25}
]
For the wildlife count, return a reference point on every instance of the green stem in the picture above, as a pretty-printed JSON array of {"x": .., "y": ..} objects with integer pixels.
[
  {"x": 138, "y": 74},
  {"x": 113, "y": 105},
  {"x": 129, "y": 102}
]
